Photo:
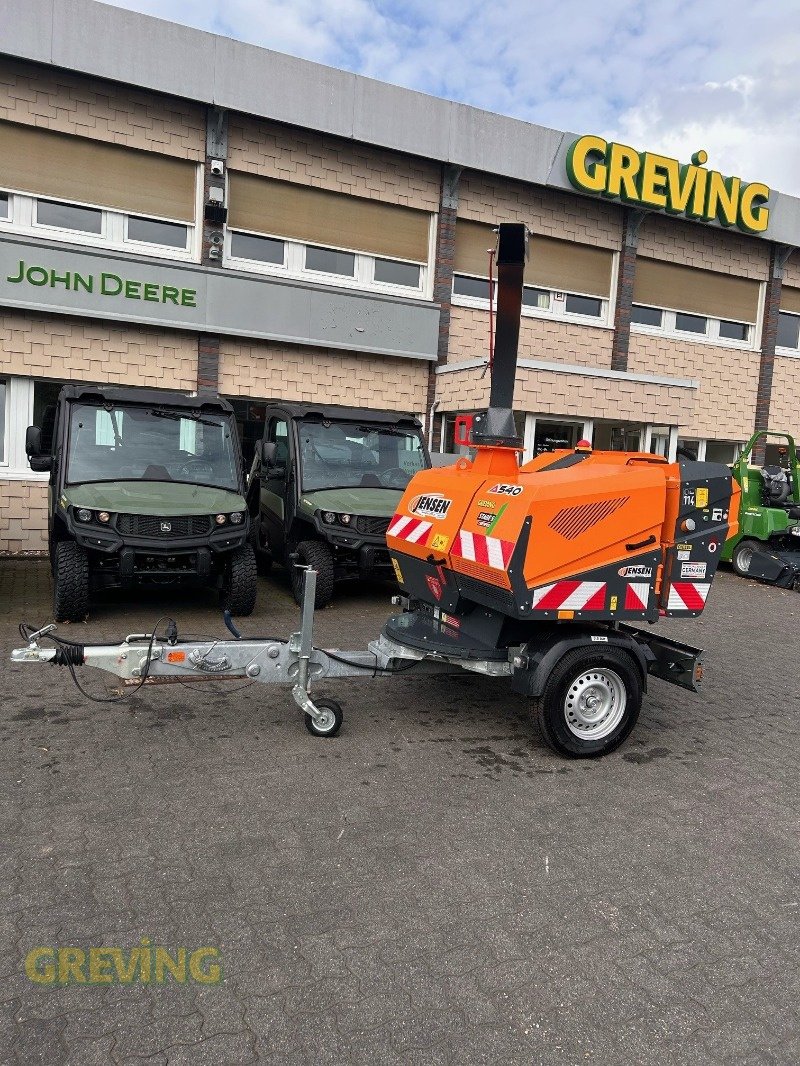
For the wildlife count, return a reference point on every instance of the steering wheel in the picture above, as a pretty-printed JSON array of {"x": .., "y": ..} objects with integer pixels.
[
  {"x": 196, "y": 468},
  {"x": 395, "y": 474}
]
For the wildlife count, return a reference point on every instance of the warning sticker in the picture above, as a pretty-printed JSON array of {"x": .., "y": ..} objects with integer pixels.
[
  {"x": 701, "y": 497},
  {"x": 440, "y": 542},
  {"x": 398, "y": 573}
]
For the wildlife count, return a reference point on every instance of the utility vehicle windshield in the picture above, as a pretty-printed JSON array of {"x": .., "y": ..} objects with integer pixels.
[
  {"x": 151, "y": 444},
  {"x": 348, "y": 455}
]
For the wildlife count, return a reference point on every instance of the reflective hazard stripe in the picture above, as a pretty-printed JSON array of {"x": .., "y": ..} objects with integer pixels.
[
  {"x": 414, "y": 530},
  {"x": 571, "y": 596},
  {"x": 488, "y": 551},
  {"x": 688, "y": 595},
  {"x": 637, "y": 595}
]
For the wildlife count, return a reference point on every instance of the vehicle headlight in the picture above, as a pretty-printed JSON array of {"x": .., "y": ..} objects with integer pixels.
[
  {"x": 221, "y": 519},
  {"x": 328, "y": 517},
  {"x": 795, "y": 531},
  {"x": 345, "y": 519},
  {"x": 83, "y": 514},
  {"x": 103, "y": 516},
  {"x": 236, "y": 518}
]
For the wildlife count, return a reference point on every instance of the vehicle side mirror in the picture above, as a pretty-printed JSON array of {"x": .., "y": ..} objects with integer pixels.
[
  {"x": 40, "y": 464},
  {"x": 33, "y": 441},
  {"x": 268, "y": 450}
]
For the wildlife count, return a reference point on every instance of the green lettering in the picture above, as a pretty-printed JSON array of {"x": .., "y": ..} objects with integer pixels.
[
  {"x": 81, "y": 282},
  {"x": 132, "y": 290},
  {"x": 60, "y": 279},
  {"x": 106, "y": 281},
  {"x": 19, "y": 276},
  {"x": 177, "y": 967},
  {"x": 37, "y": 276},
  {"x": 151, "y": 292},
  {"x": 188, "y": 297},
  {"x": 169, "y": 293}
]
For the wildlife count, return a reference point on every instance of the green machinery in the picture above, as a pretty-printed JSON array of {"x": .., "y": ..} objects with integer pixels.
[{"x": 767, "y": 546}]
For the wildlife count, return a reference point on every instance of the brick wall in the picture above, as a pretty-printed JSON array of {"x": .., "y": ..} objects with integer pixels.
[
  {"x": 724, "y": 406},
  {"x": 547, "y": 212},
  {"x": 275, "y": 151},
  {"x": 784, "y": 413},
  {"x": 548, "y": 392},
  {"x": 54, "y": 346},
  {"x": 705, "y": 247},
  {"x": 539, "y": 338},
  {"x": 23, "y": 516},
  {"x": 91, "y": 107},
  {"x": 322, "y": 375}
]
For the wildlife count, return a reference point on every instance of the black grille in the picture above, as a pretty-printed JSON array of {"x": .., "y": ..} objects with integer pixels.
[
  {"x": 147, "y": 525},
  {"x": 375, "y": 527}
]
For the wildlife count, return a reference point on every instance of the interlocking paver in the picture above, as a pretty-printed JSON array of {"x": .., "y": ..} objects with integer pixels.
[{"x": 430, "y": 886}]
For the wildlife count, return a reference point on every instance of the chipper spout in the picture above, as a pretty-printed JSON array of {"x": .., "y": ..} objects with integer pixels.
[{"x": 495, "y": 427}]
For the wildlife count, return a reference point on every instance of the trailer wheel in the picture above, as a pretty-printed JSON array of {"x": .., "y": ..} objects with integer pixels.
[
  {"x": 315, "y": 554},
  {"x": 590, "y": 703},
  {"x": 241, "y": 582},
  {"x": 70, "y": 582},
  {"x": 331, "y": 722},
  {"x": 742, "y": 557}
]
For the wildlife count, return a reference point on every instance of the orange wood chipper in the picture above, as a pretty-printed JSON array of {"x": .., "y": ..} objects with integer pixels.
[{"x": 533, "y": 573}]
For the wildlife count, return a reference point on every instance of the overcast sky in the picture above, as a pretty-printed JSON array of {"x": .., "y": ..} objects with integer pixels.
[{"x": 665, "y": 75}]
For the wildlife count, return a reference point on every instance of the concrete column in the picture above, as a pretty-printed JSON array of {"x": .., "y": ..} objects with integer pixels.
[
  {"x": 626, "y": 274},
  {"x": 769, "y": 333},
  {"x": 443, "y": 269}
]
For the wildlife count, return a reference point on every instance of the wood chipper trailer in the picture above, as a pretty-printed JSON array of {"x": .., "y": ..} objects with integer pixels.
[{"x": 531, "y": 573}]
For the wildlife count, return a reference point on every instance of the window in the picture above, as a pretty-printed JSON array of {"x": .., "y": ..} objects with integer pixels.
[
  {"x": 69, "y": 216},
  {"x": 392, "y": 272},
  {"x": 154, "y": 231},
  {"x": 722, "y": 451},
  {"x": 258, "y": 249},
  {"x": 690, "y": 323},
  {"x": 535, "y": 298},
  {"x": 475, "y": 288},
  {"x": 646, "y": 316},
  {"x": 788, "y": 330},
  {"x": 4, "y": 205},
  {"x": 328, "y": 261},
  {"x": 3, "y": 403},
  {"x": 583, "y": 305},
  {"x": 735, "y": 331}
]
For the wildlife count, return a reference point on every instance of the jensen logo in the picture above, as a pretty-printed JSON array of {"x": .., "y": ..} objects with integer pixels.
[
  {"x": 430, "y": 505},
  {"x": 166, "y": 527}
]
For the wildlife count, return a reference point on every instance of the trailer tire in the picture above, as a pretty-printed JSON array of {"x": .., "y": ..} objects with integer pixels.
[
  {"x": 317, "y": 555},
  {"x": 241, "y": 582},
  {"x": 590, "y": 703},
  {"x": 742, "y": 556},
  {"x": 332, "y": 722},
  {"x": 70, "y": 582}
]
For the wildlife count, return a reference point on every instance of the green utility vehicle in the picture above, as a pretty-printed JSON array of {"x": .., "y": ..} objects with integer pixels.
[
  {"x": 146, "y": 487},
  {"x": 767, "y": 546},
  {"x": 324, "y": 485}
]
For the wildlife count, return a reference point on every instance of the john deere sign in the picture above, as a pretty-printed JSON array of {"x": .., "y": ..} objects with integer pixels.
[
  {"x": 105, "y": 284},
  {"x": 645, "y": 179}
]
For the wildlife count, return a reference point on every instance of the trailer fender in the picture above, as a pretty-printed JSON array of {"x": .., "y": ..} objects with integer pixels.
[{"x": 538, "y": 658}]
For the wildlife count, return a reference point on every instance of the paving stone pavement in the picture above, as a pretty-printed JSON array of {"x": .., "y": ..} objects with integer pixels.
[{"x": 432, "y": 885}]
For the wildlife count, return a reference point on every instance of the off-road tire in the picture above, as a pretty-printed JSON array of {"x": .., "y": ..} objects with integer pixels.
[
  {"x": 317, "y": 555},
  {"x": 741, "y": 558},
  {"x": 70, "y": 582},
  {"x": 550, "y": 711},
  {"x": 241, "y": 582}
]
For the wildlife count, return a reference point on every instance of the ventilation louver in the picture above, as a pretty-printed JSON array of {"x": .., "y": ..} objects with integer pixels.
[{"x": 570, "y": 522}]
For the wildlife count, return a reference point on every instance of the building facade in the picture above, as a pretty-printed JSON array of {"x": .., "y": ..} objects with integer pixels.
[{"x": 183, "y": 211}]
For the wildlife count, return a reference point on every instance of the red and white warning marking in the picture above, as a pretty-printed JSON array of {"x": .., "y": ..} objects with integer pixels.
[
  {"x": 489, "y": 551},
  {"x": 688, "y": 595},
  {"x": 571, "y": 596},
  {"x": 414, "y": 530},
  {"x": 637, "y": 595}
]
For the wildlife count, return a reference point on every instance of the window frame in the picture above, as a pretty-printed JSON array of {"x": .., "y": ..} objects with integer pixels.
[
  {"x": 114, "y": 228},
  {"x": 555, "y": 311},
  {"x": 668, "y": 328},
  {"x": 782, "y": 349}
]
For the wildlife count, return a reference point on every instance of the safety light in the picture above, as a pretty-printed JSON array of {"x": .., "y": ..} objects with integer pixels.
[
  {"x": 103, "y": 516},
  {"x": 83, "y": 514},
  {"x": 328, "y": 517},
  {"x": 221, "y": 519},
  {"x": 237, "y": 517}
]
